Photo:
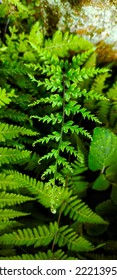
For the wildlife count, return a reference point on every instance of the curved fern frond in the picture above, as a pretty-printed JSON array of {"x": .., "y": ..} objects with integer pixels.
[
  {"x": 80, "y": 59},
  {"x": 79, "y": 211},
  {"x": 8, "y": 224},
  {"x": 49, "y": 196},
  {"x": 40, "y": 236},
  {"x": 62, "y": 43},
  {"x": 15, "y": 115},
  {"x": 5, "y": 98},
  {"x": 12, "y": 199},
  {"x": 66, "y": 236},
  {"x": 57, "y": 255},
  {"x": 112, "y": 92},
  {"x": 9, "y": 155},
  {"x": 6, "y": 214},
  {"x": 8, "y": 132},
  {"x": 99, "y": 83}
]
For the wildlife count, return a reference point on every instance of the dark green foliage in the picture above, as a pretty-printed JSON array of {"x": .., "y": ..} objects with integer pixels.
[{"x": 58, "y": 147}]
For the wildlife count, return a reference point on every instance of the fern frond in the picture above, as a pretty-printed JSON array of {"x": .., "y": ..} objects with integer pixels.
[
  {"x": 18, "y": 4},
  {"x": 8, "y": 224},
  {"x": 5, "y": 98},
  {"x": 9, "y": 155},
  {"x": 12, "y": 199},
  {"x": 112, "y": 92},
  {"x": 66, "y": 236},
  {"x": 44, "y": 193},
  {"x": 99, "y": 82},
  {"x": 79, "y": 211},
  {"x": 14, "y": 115},
  {"x": 40, "y": 236},
  {"x": 76, "y": 181},
  {"x": 6, "y": 214},
  {"x": 8, "y": 132},
  {"x": 62, "y": 43},
  {"x": 81, "y": 74},
  {"x": 8, "y": 181},
  {"x": 80, "y": 59},
  {"x": 103, "y": 109},
  {"x": 57, "y": 255}
]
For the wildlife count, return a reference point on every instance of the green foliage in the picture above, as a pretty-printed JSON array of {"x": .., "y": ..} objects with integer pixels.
[
  {"x": 103, "y": 149},
  {"x": 52, "y": 98}
]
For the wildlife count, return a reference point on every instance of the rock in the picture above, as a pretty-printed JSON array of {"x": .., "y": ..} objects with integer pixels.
[{"x": 94, "y": 20}]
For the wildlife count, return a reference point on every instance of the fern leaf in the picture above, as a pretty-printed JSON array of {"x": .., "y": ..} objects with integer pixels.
[
  {"x": 6, "y": 214},
  {"x": 18, "y": 4},
  {"x": 7, "y": 224},
  {"x": 80, "y": 59},
  {"x": 79, "y": 211},
  {"x": 61, "y": 44},
  {"x": 5, "y": 98},
  {"x": 8, "y": 132},
  {"x": 57, "y": 255},
  {"x": 9, "y": 155},
  {"x": 112, "y": 92},
  {"x": 66, "y": 236},
  {"x": 12, "y": 199},
  {"x": 8, "y": 181},
  {"x": 40, "y": 236},
  {"x": 99, "y": 83},
  {"x": 14, "y": 115},
  {"x": 44, "y": 193}
]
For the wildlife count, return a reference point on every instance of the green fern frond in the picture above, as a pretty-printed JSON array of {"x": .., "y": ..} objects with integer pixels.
[
  {"x": 81, "y": 74},
  {"x": 9, "y": 155},
  {"x": 8, "y": 132},
  {"x": 18, "y": 4},
  {"x": 14, "y": 115},
  {"x": 5, "y": 98},
  {"x": 8, "y": 181},
  {"x": 8, "y": 224},
  {"x": 6, "y": 214},
  {"x": 103, "y": 110},
  {"x": 112, "y": 92},
  {"x": 40, "y": 236},
  {"x": 57, "y": 255},
  {"x": 62, "y": 43},
  {"x": 44, "y": 193},
  {"x": 99, "y": 83},
  {"x": 76, "y": 181},
  {"x": 80, "y": 59},
  {"x": 79, "y": 211},
  {"x": 12, "y": 199},
  {"x": 66, "y": 236}
]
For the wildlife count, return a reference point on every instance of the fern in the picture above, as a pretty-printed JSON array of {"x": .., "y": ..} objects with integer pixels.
[
  {"x": 6, "y": 214},
  {"x": 63, "y": 85},
  {"x": 8, "y": 132},
  {"x": 6, "y": 98},
  {"x": 52, "y": 95},
  {"x": 67, "y": 236},
  {"x": 9, "y": 155},
  {"x": 77, "y": 210},
  {"x": 57, "y": 255},
  {"x": 12, "y": 199},
  {"x": 40, "y": 236}
]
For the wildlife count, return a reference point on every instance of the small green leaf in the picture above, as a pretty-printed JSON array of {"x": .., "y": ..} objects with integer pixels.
[
  {"x": 114, "y": 194},
  {"x": 111, "y": 172},
  {"x": 103, "y": 149},
  {"x": 101, "y": 183}
]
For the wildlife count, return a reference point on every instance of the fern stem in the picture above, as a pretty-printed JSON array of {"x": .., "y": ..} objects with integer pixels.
[{"x": 61, "y": 138}]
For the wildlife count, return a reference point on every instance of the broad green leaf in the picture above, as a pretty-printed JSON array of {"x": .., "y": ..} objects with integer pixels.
[
  {"x": 101, "y": 183},
  {"x": 114, "y": 194},
  {"x": 111, "y": 172},
  {"x": 103, "y": 149}
]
